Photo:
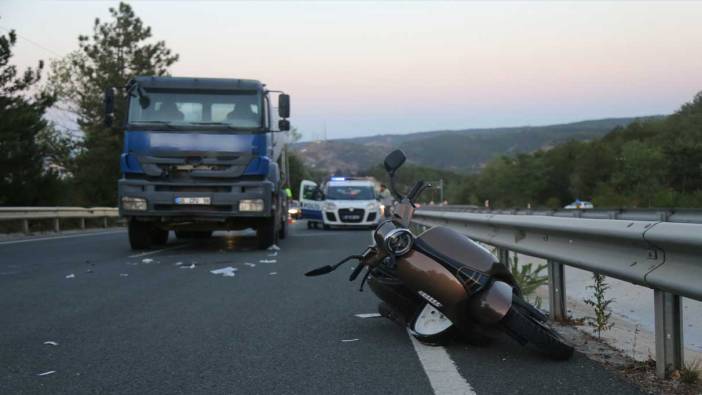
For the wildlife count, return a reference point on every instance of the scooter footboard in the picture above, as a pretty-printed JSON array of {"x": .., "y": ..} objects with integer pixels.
[{"x": 491, "y": 304}]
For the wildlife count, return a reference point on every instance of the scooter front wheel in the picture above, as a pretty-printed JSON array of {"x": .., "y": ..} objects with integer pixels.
[
  {"x": 529, "y": 331},
  {"x": 432, "y": 327}
]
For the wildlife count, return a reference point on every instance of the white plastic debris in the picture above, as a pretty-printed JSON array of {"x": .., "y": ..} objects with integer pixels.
[
  {"x": 192, "y": 266},
  {"x": 47, "y": 373},
  {"x": 123, "y": 274},
  {"x": 225, "y": 271},
  {"x": 349, "y": 340},
  {"x": 272, "y": 273},
  {"x": 273, "y": 254},
  {"x": 267, "y": 261},
  {"x": 51, "y": 343},
  {"x": 368, "y": 315},
  {"x": 274, "y": 248},
  {"x": 249, "y": 264},
  {"x": 147, "y": 260},
  {"x": 71, "y": 276},
  {"x": 178, "y": 263}
]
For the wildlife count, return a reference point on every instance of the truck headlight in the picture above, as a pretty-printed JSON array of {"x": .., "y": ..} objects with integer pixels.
[
  {"x": 372, "y": 206},
  {"x": 328, "y": 206},
  {"x": 133, "y": 203},
  {"x": 251, "y": 205}
]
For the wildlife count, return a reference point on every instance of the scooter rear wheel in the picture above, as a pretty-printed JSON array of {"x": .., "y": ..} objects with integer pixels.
[{"x": 529, "y": 331}]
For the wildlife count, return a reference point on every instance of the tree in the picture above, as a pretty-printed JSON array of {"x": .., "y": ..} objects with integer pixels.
[
  {"x": 117, "y": 51},
  {"x": 24, "y": 177}
]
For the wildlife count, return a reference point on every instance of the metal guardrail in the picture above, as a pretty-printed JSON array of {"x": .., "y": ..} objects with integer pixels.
[
  {"x": 25, "y": 214},
  {"x": 659, "y": 249}
]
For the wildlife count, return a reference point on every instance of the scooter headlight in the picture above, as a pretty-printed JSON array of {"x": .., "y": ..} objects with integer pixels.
[{"x": 398, "y": 241}]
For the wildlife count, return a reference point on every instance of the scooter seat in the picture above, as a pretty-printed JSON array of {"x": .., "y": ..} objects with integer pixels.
[{"x": 457, "y": 253}]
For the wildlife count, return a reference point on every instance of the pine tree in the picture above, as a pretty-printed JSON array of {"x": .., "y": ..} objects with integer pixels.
[{"x": 117, "y": 50}]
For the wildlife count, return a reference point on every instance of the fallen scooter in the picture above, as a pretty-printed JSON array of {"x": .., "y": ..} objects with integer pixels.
[{"x": 441, "y": 284}]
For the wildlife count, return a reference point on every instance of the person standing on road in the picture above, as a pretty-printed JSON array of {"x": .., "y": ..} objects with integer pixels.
[{"x": 385, "y": 197}]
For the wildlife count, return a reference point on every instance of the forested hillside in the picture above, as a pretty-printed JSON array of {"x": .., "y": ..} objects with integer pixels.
[
  {"x": 652, "y": 163},
  {"x": 462, "y": 151}
]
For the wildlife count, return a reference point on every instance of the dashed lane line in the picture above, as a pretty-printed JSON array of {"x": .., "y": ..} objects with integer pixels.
[
  {"x": 60, "y": 237},
  {"x": 441, "y": 370}
]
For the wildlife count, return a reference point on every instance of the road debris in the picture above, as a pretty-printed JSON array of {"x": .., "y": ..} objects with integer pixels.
[
  {"x": 273, "y": 254},
  {"x": 274, "y": 248},
  {"x": 47, "y": 373},
  {"x": 192, "y": 266},
  {"x": 267, "y": 261},
  {"x": 349, "y": 340},
  {"x": 147, "y": 260},
  {"x": 178, "y": 263},
  {"x": 123, "y": 274},
  {"x": 225, "y": 271},
  {"x": 272, "y": 273},
  {"x": 71, "y": 276},
  {"x": 368, "y": 315},
  {"x": 249, "y": 264},
  {"x": 51, "y": 343}
]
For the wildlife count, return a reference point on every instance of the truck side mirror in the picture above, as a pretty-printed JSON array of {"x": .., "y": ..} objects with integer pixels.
[
  {"x": 109, "y": 107},
  {"x": 283, "y": 125},
  {"x": 284, "y": 106}
]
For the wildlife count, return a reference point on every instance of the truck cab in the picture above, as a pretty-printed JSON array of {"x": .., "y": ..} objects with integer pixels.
[{"x": 202, "y": 154}]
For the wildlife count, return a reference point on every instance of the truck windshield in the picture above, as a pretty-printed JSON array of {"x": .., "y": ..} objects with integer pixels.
[
  {"x": 233, "y": 109},
  {"x": 350, "y": 193}
]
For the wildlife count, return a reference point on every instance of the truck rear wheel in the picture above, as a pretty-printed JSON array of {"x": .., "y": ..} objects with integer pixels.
[
  {"x": 267, "y": 233},
  {"x": 139, "y": 234},
  {"x": 283, "y": 229}
]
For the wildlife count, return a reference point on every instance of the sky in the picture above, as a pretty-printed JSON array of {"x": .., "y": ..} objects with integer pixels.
[{"x": 364, "y": 68}]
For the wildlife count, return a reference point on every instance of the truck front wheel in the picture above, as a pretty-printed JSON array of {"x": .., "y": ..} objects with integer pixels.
[
  {"x": 267, "y": 233},
  {"x": 140, "y": 234}
]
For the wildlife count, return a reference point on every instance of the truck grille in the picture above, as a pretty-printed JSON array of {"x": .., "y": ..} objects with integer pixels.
[
  {"x": 192, "y": 188},
  {"x": 192, "y": 208},
  {"x": 351, "y": 215}
]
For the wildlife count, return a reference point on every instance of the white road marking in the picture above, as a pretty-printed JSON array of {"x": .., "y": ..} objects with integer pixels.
[
  {"x": 157, "y": 251},
  {"x": 60, "y": 237},
  {"x": 441, "y": 370},
  {"x": 367, "y": 315}
]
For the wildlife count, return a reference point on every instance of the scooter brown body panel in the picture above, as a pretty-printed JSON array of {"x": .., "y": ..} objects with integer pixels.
[{"x": 422, "y": 273}]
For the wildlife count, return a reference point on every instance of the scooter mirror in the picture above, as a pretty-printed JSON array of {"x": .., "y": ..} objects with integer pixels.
[{"x": 394, "y": 160}]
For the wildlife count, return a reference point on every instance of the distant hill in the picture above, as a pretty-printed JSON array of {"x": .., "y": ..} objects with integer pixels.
[{"x": 464, "y": 151}]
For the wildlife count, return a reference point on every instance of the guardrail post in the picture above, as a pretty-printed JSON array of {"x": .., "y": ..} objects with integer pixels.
[
  {"x": 503, "y": 256},
  {"x": 57, "y": 227},
  {"x": 25, "y": 226},
  {"x": 82, "y": 223},
  {"x": 556, "y": 291},
  {"x": 104, "y": 222},
  {"x": 669, "y": 332}
]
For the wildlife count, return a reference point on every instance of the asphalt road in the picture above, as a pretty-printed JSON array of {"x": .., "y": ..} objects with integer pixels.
[{"x": 154, "y": 323}]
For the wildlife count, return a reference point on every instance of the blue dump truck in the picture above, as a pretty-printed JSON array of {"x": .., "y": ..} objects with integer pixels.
[{"x": 202, "y": 154}]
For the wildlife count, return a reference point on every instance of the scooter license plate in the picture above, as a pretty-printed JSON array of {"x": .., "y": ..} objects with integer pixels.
[{"x": 193, "y": 200}]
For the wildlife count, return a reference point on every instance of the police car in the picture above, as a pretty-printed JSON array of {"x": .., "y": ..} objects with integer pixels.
[{"x": 346, "y": 202}]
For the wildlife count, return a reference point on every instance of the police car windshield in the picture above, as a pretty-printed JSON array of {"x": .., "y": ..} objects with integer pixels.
[{"x": 347, "y": 192}]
